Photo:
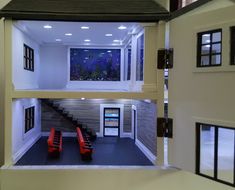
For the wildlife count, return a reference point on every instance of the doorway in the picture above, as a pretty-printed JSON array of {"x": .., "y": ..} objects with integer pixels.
[{"x": 111, "y": 122}]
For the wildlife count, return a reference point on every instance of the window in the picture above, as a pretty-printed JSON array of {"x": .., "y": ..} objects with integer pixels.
[
  {"x": 209, "y": 48},
  {"x": 140, "y": 58},
  {"x": 28, "y": 58},
  {"x": 232, "y": 54},
  {"x": 29, "y": 118},
  {"x": 94, "y": 64},
  {"x": 215, "y": 153},
  {"x": 127, "y": 66},
  {"x": 178, "y": 4}
]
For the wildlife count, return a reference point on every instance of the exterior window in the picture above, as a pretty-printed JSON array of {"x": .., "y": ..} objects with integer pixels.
[
  {"x": 28, "y": 58},
  {"x": 215, "y": 153},
  {"x": 29, "y": 118},
  {"x": 127, "y": 66},
  {"x": 178, "y": 4},
  {"x": 94, "y": 64},
  {"x": 232, "y": 45},
  {"x": 209, "y": 48},
  {"x": 140, "y": 59}
]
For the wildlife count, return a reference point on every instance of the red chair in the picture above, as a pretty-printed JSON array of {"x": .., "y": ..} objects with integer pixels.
[
  {"x": 84, "y": 145},
  {"x": 54, "y": 141}
]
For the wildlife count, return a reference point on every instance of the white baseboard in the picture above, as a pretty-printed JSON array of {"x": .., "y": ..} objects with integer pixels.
[
  {"x": 126, "y": 135},
  {"x": 146, "y": 151},
  {"x": 64, "y": 134},
  {"x": 25, "y": 148}
]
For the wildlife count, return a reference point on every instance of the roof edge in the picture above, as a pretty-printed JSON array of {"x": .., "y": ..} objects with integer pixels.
[
  {"x": 188, "y": 8},
  {"x": 100, "y": 17}
]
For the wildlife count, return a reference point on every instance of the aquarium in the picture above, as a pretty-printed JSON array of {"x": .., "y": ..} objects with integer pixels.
[{"x": 94, "y": 64}]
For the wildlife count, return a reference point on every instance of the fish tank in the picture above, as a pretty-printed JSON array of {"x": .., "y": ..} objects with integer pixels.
[{"x": 95, "y": 64}]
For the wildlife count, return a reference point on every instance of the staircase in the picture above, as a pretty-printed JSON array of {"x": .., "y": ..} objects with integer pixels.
[{"x": 70, "y": 117}]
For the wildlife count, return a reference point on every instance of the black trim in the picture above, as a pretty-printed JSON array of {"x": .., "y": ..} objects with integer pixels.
[
  {"x": 198, "y": 139},
  {"x": 28, "y": 58},
  {"x": 29, "y": 118},
  {"x": 198, "y": 147},
  {"x": 232, "y": 45},
  {"x": 211, "y": 43},
  {"x": 216, "y": 153},
  {"x": 104, "y": 117},
  {"x": 87, "y": 17}
]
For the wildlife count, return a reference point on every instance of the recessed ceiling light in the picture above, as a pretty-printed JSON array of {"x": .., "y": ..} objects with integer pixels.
[
  {"x": 116, "y": 41},
  {"x": 83, "y": 98},
  {"x": 122, "y": 27},
  {"x": 108, "y": 35},
  {"x": 85, "y": 27},
  {"x": 68, "y": 34},
  {"x": 58, "y": 40},
  {"x": 47, "y": 26},
  {"x": 87, "y": 40},
  {"x": 109, "y": 51}
]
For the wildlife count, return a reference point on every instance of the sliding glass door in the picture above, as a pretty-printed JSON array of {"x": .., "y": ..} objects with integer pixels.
[
  {"x": 216, "y": 153},
  {"x": 111, "y": 122}
]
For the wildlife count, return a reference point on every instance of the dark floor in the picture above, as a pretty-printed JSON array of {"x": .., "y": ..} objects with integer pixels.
[{"x": 107, "y": 151}]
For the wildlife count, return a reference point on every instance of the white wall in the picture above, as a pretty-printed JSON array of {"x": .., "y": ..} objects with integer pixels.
[
  {"x": 24, "y": 79},
  {"x": 22, "y": 141},
  {"x": 53, "y": 67},
  {"x": 198, "y": 94}
]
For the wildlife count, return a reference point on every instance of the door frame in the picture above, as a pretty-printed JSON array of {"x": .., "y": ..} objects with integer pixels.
[
  {"x": 121, "y": 107},
  {"x": 119, "y": 118},
  {"x": 134, "y": 122}
]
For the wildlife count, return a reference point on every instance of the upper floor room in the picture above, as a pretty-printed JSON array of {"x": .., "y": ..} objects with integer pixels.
[
  {"x": 109, "y": 48},
  {"x": 78, "y": 56}
]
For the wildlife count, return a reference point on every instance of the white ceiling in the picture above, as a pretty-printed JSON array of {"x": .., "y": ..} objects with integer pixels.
[{"x": 95, "y": 33}]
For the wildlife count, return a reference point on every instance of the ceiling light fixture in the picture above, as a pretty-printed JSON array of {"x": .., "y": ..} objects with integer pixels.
[
  {"x": 109, "y": 51},
  {"x": 122, "y": 27},
  {"x": 109, "y": 35},
  {"x": 68, "y": 34},
  {"x": 47, "y": 26},
  {"x": 83, "y": 98},
  {"x": 87, "y": 40},
  {"x": 116, "y": 41},
  {"x": 85, "y": 27}
]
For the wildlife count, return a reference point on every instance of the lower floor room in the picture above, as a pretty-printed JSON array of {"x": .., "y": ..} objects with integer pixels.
[
  {"x": 107, "y": 151},
  {"x": 84, "y": 132}
]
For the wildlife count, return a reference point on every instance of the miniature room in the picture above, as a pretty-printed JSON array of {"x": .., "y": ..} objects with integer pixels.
[
  {"x": 76, "y": 56},
  {"x": 115, "y": 132}
]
